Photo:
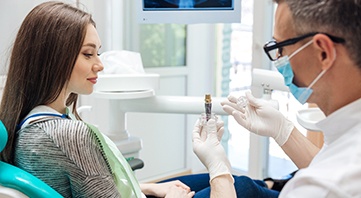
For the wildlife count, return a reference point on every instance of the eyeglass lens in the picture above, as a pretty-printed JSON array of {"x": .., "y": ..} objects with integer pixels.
[{"x": 275, "y": 53}]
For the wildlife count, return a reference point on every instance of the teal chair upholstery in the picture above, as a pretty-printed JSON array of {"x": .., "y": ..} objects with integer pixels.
[{"x": 12, "y": 177}]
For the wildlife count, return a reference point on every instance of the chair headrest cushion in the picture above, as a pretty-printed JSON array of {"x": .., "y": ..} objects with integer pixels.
[{"x": 3, "y": 136}]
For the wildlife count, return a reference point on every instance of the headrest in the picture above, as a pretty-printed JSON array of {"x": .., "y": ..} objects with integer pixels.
[{"x": 3, "y": 136}]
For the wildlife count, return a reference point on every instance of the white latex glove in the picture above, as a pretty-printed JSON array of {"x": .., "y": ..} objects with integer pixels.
[
  {"x": 206, "y": 145},
  {"x": 259, "y": 117}
]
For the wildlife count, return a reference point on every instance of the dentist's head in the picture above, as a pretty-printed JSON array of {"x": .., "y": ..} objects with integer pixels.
[{"x": 317, "y": 49}]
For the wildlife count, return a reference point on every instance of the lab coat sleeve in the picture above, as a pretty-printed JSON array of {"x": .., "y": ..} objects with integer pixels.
[{"x": 311, "y": 188}]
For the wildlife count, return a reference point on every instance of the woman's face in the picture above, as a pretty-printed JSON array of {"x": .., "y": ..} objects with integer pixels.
[{"x": 87, "y": 65}]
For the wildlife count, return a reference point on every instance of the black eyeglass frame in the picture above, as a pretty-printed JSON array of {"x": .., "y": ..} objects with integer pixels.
[{"x": 292, "y": 41}]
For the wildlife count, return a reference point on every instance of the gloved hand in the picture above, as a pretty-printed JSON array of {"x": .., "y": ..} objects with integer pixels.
[
  {"x": 206, "y": 145},
  {"x": 259, "y": 117}
]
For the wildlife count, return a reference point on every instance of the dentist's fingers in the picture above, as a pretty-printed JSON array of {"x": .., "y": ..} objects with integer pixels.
[
  {"x": 220, "y": 133},
  {"x": 232, "y": 98},
  {"x": 229, "y": 109},
  {"x": 240, "y": 118},
  {"x": 203, "y": 134},
  {"x": 211, "y": 127},
  {"x": 252, "y": 100},
  {"x": 196, "y": 132},
  {"x": 225, "y": 102},
  {"x": 229, "y": 103},
  {"x": 220, "y": 124},
  {"x": 240, "y": 101}
]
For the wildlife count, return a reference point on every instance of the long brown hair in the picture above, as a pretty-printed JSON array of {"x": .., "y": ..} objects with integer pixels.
[{"x": 42, "y": 59}]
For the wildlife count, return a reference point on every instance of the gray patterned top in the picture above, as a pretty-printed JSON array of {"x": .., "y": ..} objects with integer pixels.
[{"x": 67, "y": 156}]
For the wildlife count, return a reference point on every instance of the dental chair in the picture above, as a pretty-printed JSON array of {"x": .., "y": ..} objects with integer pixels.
[{"x": 15, "y": 182}]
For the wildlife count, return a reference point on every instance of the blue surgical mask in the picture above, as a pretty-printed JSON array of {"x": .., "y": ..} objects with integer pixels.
[{"x": 283, "y": 65}]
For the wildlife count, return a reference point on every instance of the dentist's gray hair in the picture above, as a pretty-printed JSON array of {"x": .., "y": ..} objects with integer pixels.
[{"x": 341, "y": 18}]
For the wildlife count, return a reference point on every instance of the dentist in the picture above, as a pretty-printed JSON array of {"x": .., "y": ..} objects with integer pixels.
[{"x": 317, "y": 49}]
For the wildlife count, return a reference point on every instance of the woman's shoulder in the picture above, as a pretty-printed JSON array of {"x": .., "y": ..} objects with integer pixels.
[
  {"x": 61, "y": 131},
  {"x": 64, "y": 146},
  {"x": 72, "y": 137}
]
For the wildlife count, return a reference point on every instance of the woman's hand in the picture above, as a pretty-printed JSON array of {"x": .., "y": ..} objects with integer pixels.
[
  {"x": 178, "y": 192},
  {"x": 167, "y": 189}
]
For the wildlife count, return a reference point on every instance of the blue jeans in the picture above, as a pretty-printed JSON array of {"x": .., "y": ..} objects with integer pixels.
[{"x": 245, "y": 186}]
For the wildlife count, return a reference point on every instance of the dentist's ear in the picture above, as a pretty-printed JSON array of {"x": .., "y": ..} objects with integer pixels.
[{"x": 327, "y": 50}]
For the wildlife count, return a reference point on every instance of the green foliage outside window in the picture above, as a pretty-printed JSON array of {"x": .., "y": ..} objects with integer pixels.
[{"x": 163, "y": 45}]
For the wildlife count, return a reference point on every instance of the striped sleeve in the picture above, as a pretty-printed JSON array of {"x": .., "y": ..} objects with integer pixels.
[{"x": 66, "y": 155}]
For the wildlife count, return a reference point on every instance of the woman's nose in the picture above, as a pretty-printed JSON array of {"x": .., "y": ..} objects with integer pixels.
[{"x": 99, "y": 66}]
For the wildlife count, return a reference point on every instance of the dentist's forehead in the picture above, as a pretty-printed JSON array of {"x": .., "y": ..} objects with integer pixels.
[{"x": 283, "y": 28}]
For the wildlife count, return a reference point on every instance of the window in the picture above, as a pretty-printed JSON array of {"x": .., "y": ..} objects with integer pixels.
[
  {"x": 240, "y": 76},
  {"x": 163, "y": 45},
  {"x": 240, "y": 81}
]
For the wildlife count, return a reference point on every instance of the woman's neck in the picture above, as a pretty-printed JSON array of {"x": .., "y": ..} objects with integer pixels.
[{"x": 59, "y": 104}]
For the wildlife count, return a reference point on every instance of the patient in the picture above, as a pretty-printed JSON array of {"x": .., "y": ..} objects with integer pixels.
[{"x": 55, "y": 58}]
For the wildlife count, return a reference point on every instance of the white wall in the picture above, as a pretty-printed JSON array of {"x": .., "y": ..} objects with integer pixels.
[
  {"x": 11, "y": 16},
  {"x": 2, "y": 84},
  {"x": 12, "y": 13}
]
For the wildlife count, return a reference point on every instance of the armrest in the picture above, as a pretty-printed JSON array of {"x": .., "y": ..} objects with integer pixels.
[
  {"x": 135, "y": 163},
  {"x": 16, "y": 178}
]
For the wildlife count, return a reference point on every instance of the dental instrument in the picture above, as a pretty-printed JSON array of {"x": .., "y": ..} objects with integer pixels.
[{"x": 208, "y": 106}]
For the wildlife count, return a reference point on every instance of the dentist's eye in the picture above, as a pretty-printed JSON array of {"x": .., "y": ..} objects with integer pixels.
[{"x": 280, "y": 51}]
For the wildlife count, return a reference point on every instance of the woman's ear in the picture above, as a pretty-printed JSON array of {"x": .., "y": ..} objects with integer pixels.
[{"x": 326, "y": 50}]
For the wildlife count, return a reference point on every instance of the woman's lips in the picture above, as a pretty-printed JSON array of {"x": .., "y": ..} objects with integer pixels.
[{"x": 93, "y": 80}]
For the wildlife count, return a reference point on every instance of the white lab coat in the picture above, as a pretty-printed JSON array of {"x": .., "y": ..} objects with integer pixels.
[{"x": 336, "y": 169}]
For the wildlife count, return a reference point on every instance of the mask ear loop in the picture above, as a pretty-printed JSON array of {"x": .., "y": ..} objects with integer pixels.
[
  {"x": 319, "y": 76},
  {"x": 313, "y": 82},
  {"x": 323, "y": 72},
  {"x": 301, "y": 48}
]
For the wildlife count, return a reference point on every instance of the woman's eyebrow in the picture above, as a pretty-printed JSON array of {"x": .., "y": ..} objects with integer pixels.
[{"x": 91, "y": 45}]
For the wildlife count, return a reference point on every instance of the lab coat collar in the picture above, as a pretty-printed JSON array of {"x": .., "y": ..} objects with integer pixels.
[{"x": 341, "y": 121}]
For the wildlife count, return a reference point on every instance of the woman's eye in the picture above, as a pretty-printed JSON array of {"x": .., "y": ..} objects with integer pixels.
[{"x": 88, "y": 55}]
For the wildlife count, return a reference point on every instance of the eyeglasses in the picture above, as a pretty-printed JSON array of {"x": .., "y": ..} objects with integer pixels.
[{"x": 274, "y": 50}]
